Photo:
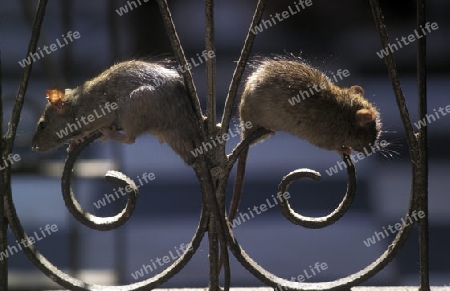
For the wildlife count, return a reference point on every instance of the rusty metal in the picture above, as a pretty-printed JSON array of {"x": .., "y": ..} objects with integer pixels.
[{"x": 213, "y": 170}]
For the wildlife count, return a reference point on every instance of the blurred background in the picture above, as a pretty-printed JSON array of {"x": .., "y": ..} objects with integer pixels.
[{"x": 330, "y": 35}]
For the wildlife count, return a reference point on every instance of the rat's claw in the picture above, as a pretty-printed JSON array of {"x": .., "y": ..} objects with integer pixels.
[
  {"x": 72, "y": 145},
  {"x": 344, "y": 150},
  {"x": 76, "y": 141}
]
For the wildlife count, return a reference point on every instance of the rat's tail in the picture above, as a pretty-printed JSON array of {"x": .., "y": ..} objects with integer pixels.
[
  {"x": 237, "y": 191},
  {"x": 238, "y": 185}
]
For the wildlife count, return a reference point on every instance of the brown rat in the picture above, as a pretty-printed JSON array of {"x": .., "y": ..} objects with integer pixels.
[
  {"x": 330, "y": 117},
  {"x": 134, "y": 96}
]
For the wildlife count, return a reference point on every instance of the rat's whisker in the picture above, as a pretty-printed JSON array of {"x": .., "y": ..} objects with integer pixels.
[
  {"x": 389, "y": 154},
  {"x": 387, "y": 131}
]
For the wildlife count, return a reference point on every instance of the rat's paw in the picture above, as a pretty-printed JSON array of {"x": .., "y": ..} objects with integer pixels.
[
  {"x": 114, "y": 134},
  {"x": 78, "y": 139},
  {"x": 75, "y": 142},
  {"x": 345, "y": 151},
  {"x": 106, "y": 133}
]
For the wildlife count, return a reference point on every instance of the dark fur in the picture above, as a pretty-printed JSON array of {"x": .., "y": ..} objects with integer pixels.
[
  {"x": 327, "y": 119},
  {"x": 164, "y": 111}
]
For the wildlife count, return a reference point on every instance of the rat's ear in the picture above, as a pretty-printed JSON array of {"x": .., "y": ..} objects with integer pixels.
[
  {"x": 56, "y": 98},
  {"x": 356, "y": 90},
  {"x": 364, "y": 116}
]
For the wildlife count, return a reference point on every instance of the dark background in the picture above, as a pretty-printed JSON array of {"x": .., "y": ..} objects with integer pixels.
[{"x": 330, "y": 35}]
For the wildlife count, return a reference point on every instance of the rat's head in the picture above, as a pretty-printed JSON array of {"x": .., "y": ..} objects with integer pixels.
[
  {"x": 366, "y": 121},
  {"x": 52, "y": 129}
]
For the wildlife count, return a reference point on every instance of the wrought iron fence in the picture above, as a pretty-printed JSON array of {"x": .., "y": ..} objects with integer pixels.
[{"x": 213, "y": 169}]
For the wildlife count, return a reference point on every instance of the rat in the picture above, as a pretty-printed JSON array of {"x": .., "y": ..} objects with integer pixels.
[
  {"x": 135, "y": 97},
  {"x": 324, "y": 114}
]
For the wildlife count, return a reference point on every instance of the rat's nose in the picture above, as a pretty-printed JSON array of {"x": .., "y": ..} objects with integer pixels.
[{"x": 35, "y": 148}]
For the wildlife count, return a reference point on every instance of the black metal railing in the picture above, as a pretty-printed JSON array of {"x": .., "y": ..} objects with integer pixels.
[{"x": 213, "y": 171}]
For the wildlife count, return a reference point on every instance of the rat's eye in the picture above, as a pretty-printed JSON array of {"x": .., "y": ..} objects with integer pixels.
[{"x": 42, "y": 124}]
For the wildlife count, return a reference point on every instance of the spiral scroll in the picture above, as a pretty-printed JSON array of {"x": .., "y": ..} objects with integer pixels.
[
  {"x": 317, "y": 222},
  {"x": 88, "y": 219},
  {"x": 211, "y": 204},
  {"x": 349, "y": 281},
  {"x": 100, "y": 223}
]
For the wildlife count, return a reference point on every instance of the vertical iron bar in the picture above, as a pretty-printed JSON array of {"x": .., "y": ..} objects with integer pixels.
[
  {"x": 51, "y": 67},
  {"x": 210, "y": 67},
  {"x": 417, "y": 144},
  {"x": 217, "y": 224},
  {"x": 214, "y": 284},
  {"x": 181, "y": 57},
  {"x": 211, "y": 125},
  {"x": 392, "y": 70},
  {"x": 203, "y": 166},
  {"x": 74, "y": 233},
  {"x": 120, "y": 233},
  {"x": 240, "y": 67},
  {"x": 15, "y": 117},
  {"x": 423, "y": 145},
  {"x": 3, "y": 219},
  {"x": 7, "y": 140}
]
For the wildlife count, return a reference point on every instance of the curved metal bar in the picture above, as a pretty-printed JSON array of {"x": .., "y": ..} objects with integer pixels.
[
  {"x": 86, "y": 218},
  {"x": 240, "y": 67},
  {"x": 66, "y": 280},
  {"x": 347, "y": 282},
  {"x": 317, "y": 222},
  {"x": 71, "y": 283},
  {"x": 10, "y": 135},
  {"x": 234, "y": 155},
  {"x": 216, "y": 216},
  {"x": 179, "y": 54},
  {"x": 339, "y": 284}
]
